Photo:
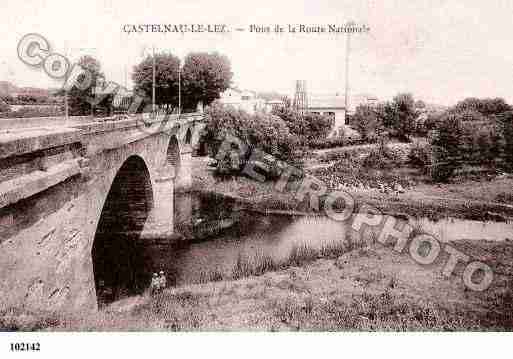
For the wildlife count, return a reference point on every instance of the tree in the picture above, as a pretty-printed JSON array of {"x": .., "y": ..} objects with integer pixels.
[
  {"x": 308, "y": 127},
  {"x": 204, "y": 77},
  {"x": 447, "y": 147},
  {"x": 485, "y": 106},
  {"x": 506, "y": 122},
  {"x": 4, "y": 107},
  {"x": 262, "y": 131},
  {"x": 403, "y": 124},
  {"x": 80, "y": 100},
  {"x": 166, "y": 79},
  {"x": 367, "y": 122},
  {"x": 420, "y": 104}
]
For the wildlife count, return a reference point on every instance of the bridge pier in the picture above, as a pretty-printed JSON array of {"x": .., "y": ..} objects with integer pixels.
[
  {"x": 183, "y": 179},
  {"x": 160, "y": 223}
]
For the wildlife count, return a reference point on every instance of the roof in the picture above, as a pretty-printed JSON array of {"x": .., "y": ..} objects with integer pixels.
[{"x": 327, "y": 102}]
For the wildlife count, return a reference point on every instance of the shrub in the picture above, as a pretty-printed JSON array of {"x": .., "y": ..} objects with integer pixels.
[
  {"x": 381, "y": 157},
  {"x": 481, "y": 142},
  {"x": 446, "y": 144},
  {"x": 259, "y": 136},
  {"x": 309, "y": 128},
  {"x": 420, "y": 155},
  {"x": 33, "y": 111},
  {"x": 404, "y": 113},
  {"x": 4, "y": 107},
  {"x": 367, "y": 121},
  {"x": 506, "y": 125}
]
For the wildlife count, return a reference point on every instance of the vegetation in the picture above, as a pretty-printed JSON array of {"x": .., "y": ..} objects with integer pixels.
[
  {"x": 309, "y": 128},
  {"x": 506, "y": 124},
  {"x": 485, "y": 107},
  {"x": 367, "y": 123},
  {"x": 446, "y": 147},
  {"x": 31, "y": 99},
  {"x": 420, "y": 155},
  {"x": 381, "y": 157},
  {"x": 204, "y": 76},
  {"x": 4, "y": 107},
  {"x": 261, "y": 131},
  {"x": 166, "y": 79},
  {"x": 396, "y": 117},
  {"x": 80, "y": 100},
  {"x": 367, "y": 289},
  {"x": 34, "y": 111}
]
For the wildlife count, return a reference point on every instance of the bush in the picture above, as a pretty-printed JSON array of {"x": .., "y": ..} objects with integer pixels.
[
  {"x": 309, "y": 128},
  {"x": 381, "y": 157},
  {"x": 259, "y": 132},
  {"x": 446, "y": 144},
  {"x": 4, "y": 107},
  {"x": 30, "y": 111},
  {"x": 367, "y": 122},
  {"x": 404, "y": 113},
  {"x": 420, "y": 155},
  {"x": 425, "y": 123},
  {"x": 506, "y": 127}
]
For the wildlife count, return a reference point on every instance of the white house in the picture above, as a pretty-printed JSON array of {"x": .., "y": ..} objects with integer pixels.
[
  {"x": 243, "y": 100},
  {"x": 333, "y": 106}
]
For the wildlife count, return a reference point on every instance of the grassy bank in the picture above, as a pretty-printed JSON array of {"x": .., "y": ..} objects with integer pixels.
[
  {"x": 369, "y": 288},
  {"x": 469, "y": 198}
]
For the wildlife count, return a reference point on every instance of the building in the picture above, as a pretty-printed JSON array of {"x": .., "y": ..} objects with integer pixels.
[
  {"x": 273, "y": 105},
  {"x": 243, "y": 100},
  {"x": 361, "y": 99},
  {"x": 334, "y": 106},
  {"x": 331, "y": 105}
]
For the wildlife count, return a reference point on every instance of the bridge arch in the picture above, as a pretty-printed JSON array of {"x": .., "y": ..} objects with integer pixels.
[
  {"x": 173, "y": 158},
  {"x": 117, "y": 252},
  {"x": 188, "y": 137}
]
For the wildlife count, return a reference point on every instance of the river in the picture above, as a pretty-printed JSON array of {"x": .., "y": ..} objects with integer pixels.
[{"x": 218, "y": 231}]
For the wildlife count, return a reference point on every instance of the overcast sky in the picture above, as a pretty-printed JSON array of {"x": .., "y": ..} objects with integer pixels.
[{"x": 441, "y": 51}]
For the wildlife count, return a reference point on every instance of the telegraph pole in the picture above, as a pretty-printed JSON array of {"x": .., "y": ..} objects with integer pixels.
[
  {"x": 66, "y": 102},
  {"x": 346, "y": 97},
  {"x": 179, "y": 89},
  {"x": 66, "y": 87},
  {"x": 153, "y": 81}
]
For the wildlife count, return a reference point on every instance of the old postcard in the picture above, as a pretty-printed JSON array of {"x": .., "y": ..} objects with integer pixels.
[{"x": 255, "y": 166}]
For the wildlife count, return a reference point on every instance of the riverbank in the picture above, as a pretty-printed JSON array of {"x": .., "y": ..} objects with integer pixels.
[
  {"x": 351, "y": 286},
  {"x": 369, "y": 288},
  {"x": 472, "y": 199}
]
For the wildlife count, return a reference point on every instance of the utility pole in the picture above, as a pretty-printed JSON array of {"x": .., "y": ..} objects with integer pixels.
[
  {"x": 66, "y": 102},
  {"x": 153, "y": 81},
  {"x": 179, "y": 89},
  {"x": 346, "y": 97},
  {"x": 126, "y": 77},
  {"x": 66, "y": 114}
]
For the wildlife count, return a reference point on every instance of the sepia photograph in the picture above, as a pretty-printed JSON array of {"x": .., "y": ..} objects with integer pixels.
[{"x": 254, "y": 167}]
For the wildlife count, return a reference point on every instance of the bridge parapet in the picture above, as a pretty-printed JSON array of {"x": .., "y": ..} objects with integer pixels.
[{"x": 33, "y": 160}]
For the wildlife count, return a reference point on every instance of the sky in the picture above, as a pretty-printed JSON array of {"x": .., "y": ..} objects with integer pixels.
[{"x": 440, "y": 51}]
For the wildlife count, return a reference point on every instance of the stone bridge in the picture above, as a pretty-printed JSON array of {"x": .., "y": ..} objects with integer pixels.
[{"x": 79, "y": 198}]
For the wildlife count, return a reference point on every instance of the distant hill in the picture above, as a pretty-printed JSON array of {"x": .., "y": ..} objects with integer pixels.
[{"x": 7, "y": 88}]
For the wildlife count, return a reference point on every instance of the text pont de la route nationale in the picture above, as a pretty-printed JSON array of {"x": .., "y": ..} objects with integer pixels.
[{"x": 223, "y": 28}]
